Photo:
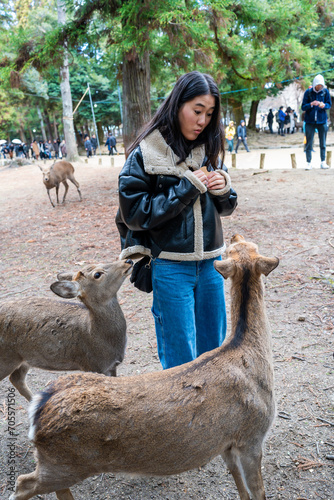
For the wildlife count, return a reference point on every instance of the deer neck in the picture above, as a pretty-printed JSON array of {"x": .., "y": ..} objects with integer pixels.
[
  {"x": 248, "y": 315},
  {"x": 106, "y": 317}
]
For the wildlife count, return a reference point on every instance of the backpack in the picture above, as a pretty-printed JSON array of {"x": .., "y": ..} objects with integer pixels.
[{"x": 276, "y": 116}]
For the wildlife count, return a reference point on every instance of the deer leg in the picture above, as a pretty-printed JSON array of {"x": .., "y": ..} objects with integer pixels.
[
  {"x": 50, "y": 198},
  {"x": 64, "y": 494},
  {"x": 57, "y": 193},
  {"x": 66, "y": 189},
  {"x": 18, "y": 377},
  {"x": 251, "y": 466},
  {"x": 233, "y": 463},
  {"x": 40, "y": 482},
  {"x": 26, "y": 486},
  {"x": 76, "y": 183}
]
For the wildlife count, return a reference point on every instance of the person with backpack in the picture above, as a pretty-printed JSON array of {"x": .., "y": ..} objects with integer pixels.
[{"x": 316, "y": 101}]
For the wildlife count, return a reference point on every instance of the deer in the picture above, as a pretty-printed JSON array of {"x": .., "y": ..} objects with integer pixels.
[
  {"x": 171, "y": 421},
  {"x": 54, "y": 334},
  {"x": 58, "y": 172}
]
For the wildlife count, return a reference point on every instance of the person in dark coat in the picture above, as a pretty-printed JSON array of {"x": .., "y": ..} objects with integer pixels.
[
  {"x": 111, "y": 143},
  {"x": 242, "y": 136},
  {"x": 88, "y": 146},
  {"x": 270, "y": 120},
  {"x": 94, "y": 144},
  {"x": 316, "y": 101},
  {"x": 56, "y": 148},
  {"x": 173, "y": 192}
]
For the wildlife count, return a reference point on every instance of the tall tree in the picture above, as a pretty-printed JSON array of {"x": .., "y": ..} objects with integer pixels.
[{"x": 65, "y": 88}]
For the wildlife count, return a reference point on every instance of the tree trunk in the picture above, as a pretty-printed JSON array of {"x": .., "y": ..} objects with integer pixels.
[
  {"x": 65, "y": 89},
  {"x": 55, "y": 127},
  {"x": 78, "y": 136},
  {"x": 136, "y": 94},
  {"x": 48, "y": 125},
  {"x": 39, "y": 112},
  {"x": 31, "y": 134},
  {"x": 238, "y": 111},
  {"x": 22, "y": 134},
  {"x": 252, "y": 116},
  {"x": 100, "y": 132}
]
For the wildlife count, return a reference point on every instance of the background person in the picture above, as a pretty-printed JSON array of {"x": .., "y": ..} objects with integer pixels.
[
  {"x": 281, "y": 121},
  {"x": 94, "y": 144},
  {"x": 88, "y": 146},
  {"x": 242, "y": 136},
  {"x": 316, "y": 101},
  {"x": 270, "y": 120},
  {"x": 170, "y": 210},
  {"x": 229, "y": 134}
]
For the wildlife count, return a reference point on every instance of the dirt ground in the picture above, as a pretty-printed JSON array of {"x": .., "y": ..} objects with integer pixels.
[{"x": 289, "y": 214}]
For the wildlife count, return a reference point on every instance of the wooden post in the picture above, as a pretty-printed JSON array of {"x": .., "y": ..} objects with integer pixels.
[
  {"x": 262, "y": 157},
  {"x": 112, "y": 161},
  {"x": 234, "y": 160},
  {"x": 86, "y": 160},
  {"x": 100, "y": 161},
  {"x": 293, "y": 160},
  {"x": 329, "y": 158}
]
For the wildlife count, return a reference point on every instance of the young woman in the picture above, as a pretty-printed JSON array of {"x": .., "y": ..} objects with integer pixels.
[{"x": 170, "y": 209}]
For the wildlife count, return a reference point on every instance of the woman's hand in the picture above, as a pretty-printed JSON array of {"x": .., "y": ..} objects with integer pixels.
[
  {"x": 201, "y": 176},
  {"x": 215, "y": 180}
]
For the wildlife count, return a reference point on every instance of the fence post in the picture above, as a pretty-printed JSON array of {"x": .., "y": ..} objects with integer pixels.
[
  {"x": 329, "y": 158},
  {"x": 293, "y": 160},
  {"x": 112, "y": 161},
  {"x": 234, "y": 160},
  {"x": 262, "y": 157}
]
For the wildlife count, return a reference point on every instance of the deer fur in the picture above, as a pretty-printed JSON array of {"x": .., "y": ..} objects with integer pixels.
[
  {"x": 54, "y": 334},
  {"x": 58, "y": 172},
  {"x": 171, "y": 421}
]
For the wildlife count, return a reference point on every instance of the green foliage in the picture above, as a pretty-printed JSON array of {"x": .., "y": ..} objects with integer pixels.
[{"x": 253, "y": 48}]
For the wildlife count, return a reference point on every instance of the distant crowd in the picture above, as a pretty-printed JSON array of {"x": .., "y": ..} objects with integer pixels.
[{"x": 37, "y": 150}]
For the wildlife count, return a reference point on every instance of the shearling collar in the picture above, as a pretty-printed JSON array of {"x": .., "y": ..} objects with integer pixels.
[{"x": 159, "y": 158}]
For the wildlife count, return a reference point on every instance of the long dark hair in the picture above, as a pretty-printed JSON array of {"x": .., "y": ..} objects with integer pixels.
[{"x": 166, "y": 119}]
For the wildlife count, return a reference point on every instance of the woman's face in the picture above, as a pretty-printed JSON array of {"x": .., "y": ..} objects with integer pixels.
[{"x": 195, "y": 115}]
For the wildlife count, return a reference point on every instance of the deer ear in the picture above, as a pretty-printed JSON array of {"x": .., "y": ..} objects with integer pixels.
[
  {"x": 264, "y": 265},
  {"x": 65, "y": 276},
  {"x": 225, "y": 267},
  {"x": 66, "y": 289}
]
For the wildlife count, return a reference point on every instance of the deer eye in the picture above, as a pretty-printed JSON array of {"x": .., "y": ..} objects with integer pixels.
[{"x": 97, "y": 275}]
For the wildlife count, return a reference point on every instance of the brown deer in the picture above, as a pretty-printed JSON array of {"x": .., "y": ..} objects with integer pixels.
[
  {"x": 61, "y": 335},
  {"x": 171, "y": 421},
  {"x": 53, "y": 175}
]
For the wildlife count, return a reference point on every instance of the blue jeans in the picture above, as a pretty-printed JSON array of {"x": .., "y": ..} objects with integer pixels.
[
  {"x": 188, "y": 309},
  {"x": 230, "y": 145},
  {"x": 309, "y": 132},
  {"x": 244, "y": 141}
]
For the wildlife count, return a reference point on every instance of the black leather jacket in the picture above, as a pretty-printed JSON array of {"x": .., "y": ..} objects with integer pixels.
[{"x": 165, "y": 210}]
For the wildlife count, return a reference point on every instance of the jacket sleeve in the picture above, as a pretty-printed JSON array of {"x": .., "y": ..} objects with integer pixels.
[
  {"x": 141, "y": 207},
  {"x": 306, "y": 104},
  {"x": 327, "y": 100}
]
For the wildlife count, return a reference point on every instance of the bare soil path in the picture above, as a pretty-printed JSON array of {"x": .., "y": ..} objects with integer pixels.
[{"x": 289, "y": 214}]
